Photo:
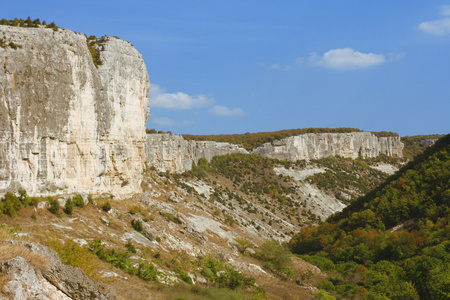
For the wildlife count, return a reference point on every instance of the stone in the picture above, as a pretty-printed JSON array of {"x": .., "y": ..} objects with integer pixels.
[
  {"x": 69, "y": 126},
  {"x": 172, "y": 153},
  {"x": 319, "y": 145},
  {"x": 23, "y": 283},
  {"x": 72, "y": 281}
]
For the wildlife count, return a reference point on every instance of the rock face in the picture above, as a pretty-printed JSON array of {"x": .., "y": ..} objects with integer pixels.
[
  {"x": 170, "y": 152},
  {"x": 66, "y": 125},
  {"x": 57, "y": 281},
  {"x": 318, "y": 145}
]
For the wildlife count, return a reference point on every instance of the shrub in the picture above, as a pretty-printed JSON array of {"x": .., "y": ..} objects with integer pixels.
[
  {"x": 130, "y": 247},
  {"x": 68, "y": 208},
  {"x": 54, "y": 206},
  {"x": 276, "y": 256},
  {"x": 137, "y": 225},
  {"x": 106, "y": 206},
  {"x": 185, "y": 277},
  {"x": 78, "y": 201}
]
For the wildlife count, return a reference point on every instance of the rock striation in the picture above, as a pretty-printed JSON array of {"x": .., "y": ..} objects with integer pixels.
[
  {"x": 67, "y": 125},
  {"x": 319, "y": 145},
  {"x": 172, "y": 153}
]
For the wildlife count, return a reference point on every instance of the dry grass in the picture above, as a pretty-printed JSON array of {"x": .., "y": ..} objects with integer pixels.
[{"x": 37, "y": 261}]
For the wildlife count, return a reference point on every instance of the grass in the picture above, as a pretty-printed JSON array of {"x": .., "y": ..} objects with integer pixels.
[{"x": 195, "y": 292}]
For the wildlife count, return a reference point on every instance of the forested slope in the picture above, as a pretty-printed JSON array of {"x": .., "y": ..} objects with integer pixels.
[{"x": 392, "y": 243}]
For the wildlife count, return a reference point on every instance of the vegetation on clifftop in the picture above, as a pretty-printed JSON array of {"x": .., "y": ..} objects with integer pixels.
[{"x": 253, "y": 140}]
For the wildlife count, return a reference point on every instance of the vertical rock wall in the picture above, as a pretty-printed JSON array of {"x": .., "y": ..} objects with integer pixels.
[
  {"x": 172, "y": 153},
  {"x": 65, "y": 125},
  {"x": 318, "y": 145}
]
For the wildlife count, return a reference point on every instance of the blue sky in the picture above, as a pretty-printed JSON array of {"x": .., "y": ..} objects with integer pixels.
[{"x": 249, "y": 66}]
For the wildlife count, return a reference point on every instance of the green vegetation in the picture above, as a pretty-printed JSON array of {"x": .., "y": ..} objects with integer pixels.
[
  {"x": 106, "y": 206},
  {"x": 365, "y": 260},
  {"x": 119, "y": 259},
  {"x": 26, "y": 23},
  {"x": 346, "y": 175},
  {"x": 68, "y": 208},
  {"x": 75, "y": 255},
  {"x": 10, "y": 204},
  {"x": 219, "y": 273},
  {"x": 253, "y": 140},
  {"x": 54, "y": 206},
  {"x": 92, "y": 43},
  {"x": 413, "y": 145},
  {"x": 276, "y": 257}
]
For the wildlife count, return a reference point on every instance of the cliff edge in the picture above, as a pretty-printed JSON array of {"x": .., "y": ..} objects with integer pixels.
[{"x": 67, "y": 125}]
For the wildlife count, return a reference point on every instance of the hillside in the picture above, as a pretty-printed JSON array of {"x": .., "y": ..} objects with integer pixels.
[{"x": 393, "y": 242}]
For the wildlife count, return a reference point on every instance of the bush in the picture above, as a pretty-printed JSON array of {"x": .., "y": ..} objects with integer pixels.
[
  {"x": 276, "y": 256},
  {"x": 78, "y": 201},
  {"x": 137, "y": 225},
  {"x": 106, "y": 206},
  {"x": 54, "y": 206},
  {"x": 130, "y": 247},
  {"x": 185, "y": 277},
  {"x": 68, "y": 208}
]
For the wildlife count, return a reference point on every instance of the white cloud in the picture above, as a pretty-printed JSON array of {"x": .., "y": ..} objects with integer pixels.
[
  {"x": 159, "y": 98},
  {"x": 224, "y": 111},
  {"x": 346, "y": 59},
  {"x": 439, "y": 26},
  {"x": 436, "y": 27},
  {"x": 163, "y": 121}
]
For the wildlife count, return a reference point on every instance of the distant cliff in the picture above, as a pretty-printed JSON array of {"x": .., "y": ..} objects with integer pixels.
[
  {"x": 172, "y": 153},
  {"x": 67, "y": 125},
  {"x": 319, "y": 145}
]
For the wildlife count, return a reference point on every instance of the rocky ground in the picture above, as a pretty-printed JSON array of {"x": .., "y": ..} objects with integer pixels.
[{"x": 174, "y": 225}]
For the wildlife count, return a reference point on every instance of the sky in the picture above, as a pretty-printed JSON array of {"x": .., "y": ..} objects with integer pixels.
[{"x": 234, "y": 66}]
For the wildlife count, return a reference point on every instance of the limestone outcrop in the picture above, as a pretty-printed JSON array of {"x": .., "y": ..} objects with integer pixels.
[
  {"x": 319, "y": 145},
  {"x": 55, "y": 281},
  {"x": 67, "y": 125},
  {"x": 172, "y": 153}
]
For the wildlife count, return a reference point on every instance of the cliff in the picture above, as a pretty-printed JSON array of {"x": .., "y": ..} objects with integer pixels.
[
  {"x": 170, "y": 152},
  {"x": 318, "y": 145},
  {"x": 66, "y": 125}
]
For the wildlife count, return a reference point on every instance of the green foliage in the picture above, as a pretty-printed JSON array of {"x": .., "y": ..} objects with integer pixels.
[
  {"x": 137, "y": 225},
  {"x": 152, "y": 131},
  {"x": 130, "y": 247},
  {"x": 26, "y": 23},
  {"x": 92, "y": 42},
  {"x": 106, "y": 206},
  {"x": 413, "y": 146},
  {"x": 321, "y": 295},
  {"x": 119, "y": 259},
  {"x": 78, "y": 201},
  {"x": 75, "y": 255},
  {"x": 276, "y": 256},
  {"x": 54, "y": 206},
  {"x": 221, "y": 274},
  {"x": 185, "y": 277},
  {"x": 68, "y": 208},
  {"x": 366, "y": 260}
]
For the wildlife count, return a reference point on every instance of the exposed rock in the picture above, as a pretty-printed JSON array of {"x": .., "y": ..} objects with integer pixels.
[
  {"x": 66, "y": 125},
  {"x": 170, "y": 152},
  {"x": 146, "y": 229},
  {"x": 72, "y": 281},
  {"x": 23, "y": 283},
  {"x": 319, "y": 145}
]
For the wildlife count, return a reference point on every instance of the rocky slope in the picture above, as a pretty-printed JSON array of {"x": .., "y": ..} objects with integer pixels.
[
  {"x": 66, "y": 125},
  {"x": 172, "y": 153},
  {"x": 319, "y": 145}
]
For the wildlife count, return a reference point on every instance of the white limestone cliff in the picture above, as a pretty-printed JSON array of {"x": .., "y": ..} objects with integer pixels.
[
  {"x": 67, "y": 126},
  {"x": 172, "y": 153},
  {"x": 319, "y": 145}
]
